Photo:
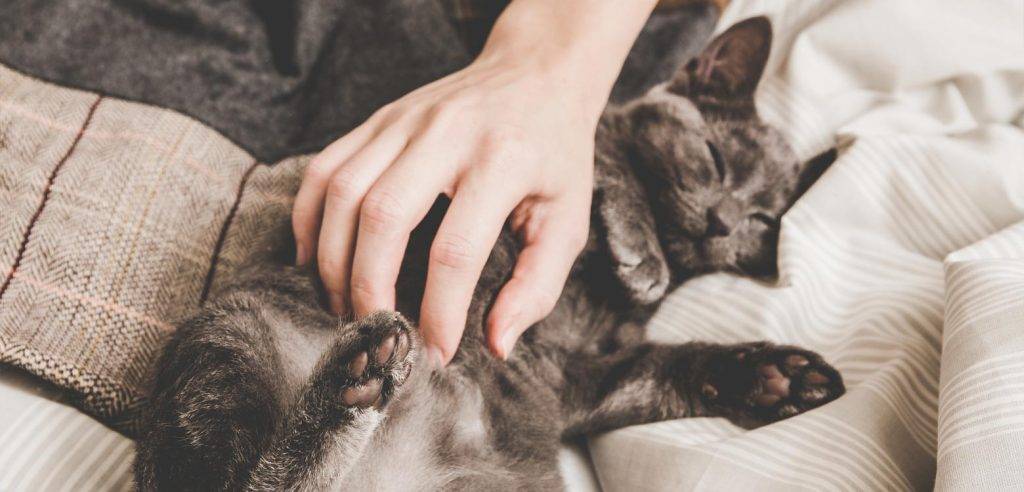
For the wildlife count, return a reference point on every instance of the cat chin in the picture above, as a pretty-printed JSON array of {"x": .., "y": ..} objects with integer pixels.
[
  {"x": 695, "y": 257},
  {"x": 692, "y": 257}
]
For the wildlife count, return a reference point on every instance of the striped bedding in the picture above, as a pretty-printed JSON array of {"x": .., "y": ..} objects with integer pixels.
[
  {"x": 47, "y": 445},
  {"x": 904, "y": 264},
  {"x": 51, "y": 446}
]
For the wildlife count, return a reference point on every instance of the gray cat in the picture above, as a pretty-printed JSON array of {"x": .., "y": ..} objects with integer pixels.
[{"x": 265, "y": 390}]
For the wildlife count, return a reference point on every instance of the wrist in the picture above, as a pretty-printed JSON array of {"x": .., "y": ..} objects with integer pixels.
[{"x": 576, "y": 47}]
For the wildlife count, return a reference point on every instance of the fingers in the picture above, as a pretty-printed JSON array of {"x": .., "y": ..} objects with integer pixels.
[
  {"x": 459, "y": 251},
  {"x": 395, "y": 204},
  {"x": 309, "y": 202},
  {"x": 344, "y": 197},
  {"x": 536, "y": 284}
]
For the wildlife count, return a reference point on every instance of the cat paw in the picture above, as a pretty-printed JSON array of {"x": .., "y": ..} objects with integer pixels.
[
  {"x": 761, "y": 383},
  {"x": 645, "y": 281},
  {"x": 374, "y": 362}
]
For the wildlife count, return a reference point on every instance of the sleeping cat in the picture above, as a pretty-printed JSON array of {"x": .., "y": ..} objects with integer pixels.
[{"x": 265, "y": 390}]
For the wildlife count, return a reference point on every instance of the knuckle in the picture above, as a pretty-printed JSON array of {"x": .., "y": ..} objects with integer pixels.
[
  {"x": 317, "y": 170},
  {"x": 362, "y": 288},
  {"x": 503, "y": 139},
  {"x": 330, "y": 272},
  {"x": 446, "y": 111},
  {"x": 380, "y": 211},
  {"x": 440, "y": 113},
  {"x": 384, "y": 113},
  {"x": 500, "y": 148},
  {"x": 452, "y": 251},
  {"x": 493, "y": 163},
  {"x": 345, "y": 185}
]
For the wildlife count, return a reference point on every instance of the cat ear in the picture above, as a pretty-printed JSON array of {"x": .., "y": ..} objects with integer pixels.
[
  {"x": 811, "y": 171},
  {"x": 731, "y": 65}
]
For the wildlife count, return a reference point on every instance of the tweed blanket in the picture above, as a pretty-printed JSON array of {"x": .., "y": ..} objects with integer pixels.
[{"x": 118, "y": 219}]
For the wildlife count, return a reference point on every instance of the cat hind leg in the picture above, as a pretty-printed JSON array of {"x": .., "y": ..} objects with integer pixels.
[
  {"x": 751, "y": 384},
  {"x": 341, "y": 407}
]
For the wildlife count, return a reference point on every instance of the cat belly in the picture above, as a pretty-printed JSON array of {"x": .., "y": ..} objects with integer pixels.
[{"x": 433, "y": 437}]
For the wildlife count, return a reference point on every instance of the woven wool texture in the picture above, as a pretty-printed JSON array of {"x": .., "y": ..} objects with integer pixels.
[{"x": 120, "y": 216}]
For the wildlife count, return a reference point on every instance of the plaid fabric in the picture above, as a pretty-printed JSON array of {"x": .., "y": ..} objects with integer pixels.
[
  {"x": 115, "y": 226},
  {"x": 473, "y": 18}
]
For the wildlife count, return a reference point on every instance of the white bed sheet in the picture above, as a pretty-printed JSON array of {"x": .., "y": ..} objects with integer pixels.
[
  {"x": 904, "y": 264},
  {"x": 46, "y": 445}
]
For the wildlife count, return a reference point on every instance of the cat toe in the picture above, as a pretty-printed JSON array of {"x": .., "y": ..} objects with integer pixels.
[
  {"x": 357, "y": 367},
  {"x": 393, "y": 347},
  {"x": 709, "y": 391},
  {"x": 761, "y": 383},
  {"x": 819, "y": 384},
  {"x": 363, "y": 395},
  {"x": 795, "y": 361},
  {"x": 776, "y": 386},
  {"x": 402, "y": 346},
  {"x": 801, "y": 379},
  {"x": 387, "y": 346}
]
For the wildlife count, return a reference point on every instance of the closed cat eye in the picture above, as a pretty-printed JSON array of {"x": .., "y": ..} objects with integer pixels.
[
  {"x": 719, "y": 163},
  {"x": 766, "y": 219}
]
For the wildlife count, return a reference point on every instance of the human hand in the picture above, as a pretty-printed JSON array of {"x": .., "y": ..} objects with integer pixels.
[{"x": 508, "y": 137}]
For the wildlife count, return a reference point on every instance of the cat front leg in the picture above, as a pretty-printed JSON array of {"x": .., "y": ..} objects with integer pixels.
[
  {"x": 629, "y": 231},
  {"x": 341, "y": 406},
  {"x": 751, "y": 384}
]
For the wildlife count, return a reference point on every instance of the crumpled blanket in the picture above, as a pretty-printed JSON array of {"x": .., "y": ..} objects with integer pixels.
[
  {"x": 903, "y": 265},
  {"x": 282, "y": 77},
  {"x": 278, "y": 78}
]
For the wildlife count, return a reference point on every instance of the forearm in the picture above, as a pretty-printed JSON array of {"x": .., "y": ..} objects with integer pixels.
[{"x": 580, "y": 45}]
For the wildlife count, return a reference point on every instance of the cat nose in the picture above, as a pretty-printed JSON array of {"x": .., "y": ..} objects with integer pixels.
[
  {"x": 717, "y": 226},
  {"x": 722, "y": 219}
]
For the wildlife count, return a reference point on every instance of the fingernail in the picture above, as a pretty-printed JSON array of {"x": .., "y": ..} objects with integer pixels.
[
  {"x": 301, "y": 255},
  {"x": 509, "y": 334},
  {"x": 508, "y": 342}
]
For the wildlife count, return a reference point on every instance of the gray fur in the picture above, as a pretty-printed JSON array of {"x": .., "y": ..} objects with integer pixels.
[{"x": 264, "y": 390}]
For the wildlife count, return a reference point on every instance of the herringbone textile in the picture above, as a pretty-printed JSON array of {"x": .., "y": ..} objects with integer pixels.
[{"x": 116, "y": 218}]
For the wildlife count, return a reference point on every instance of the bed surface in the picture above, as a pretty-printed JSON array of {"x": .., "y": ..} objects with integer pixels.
[{"x": 50, "y": 446}]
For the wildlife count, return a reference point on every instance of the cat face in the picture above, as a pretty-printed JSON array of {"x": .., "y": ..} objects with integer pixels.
[{"x": 718, "y": 177}]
